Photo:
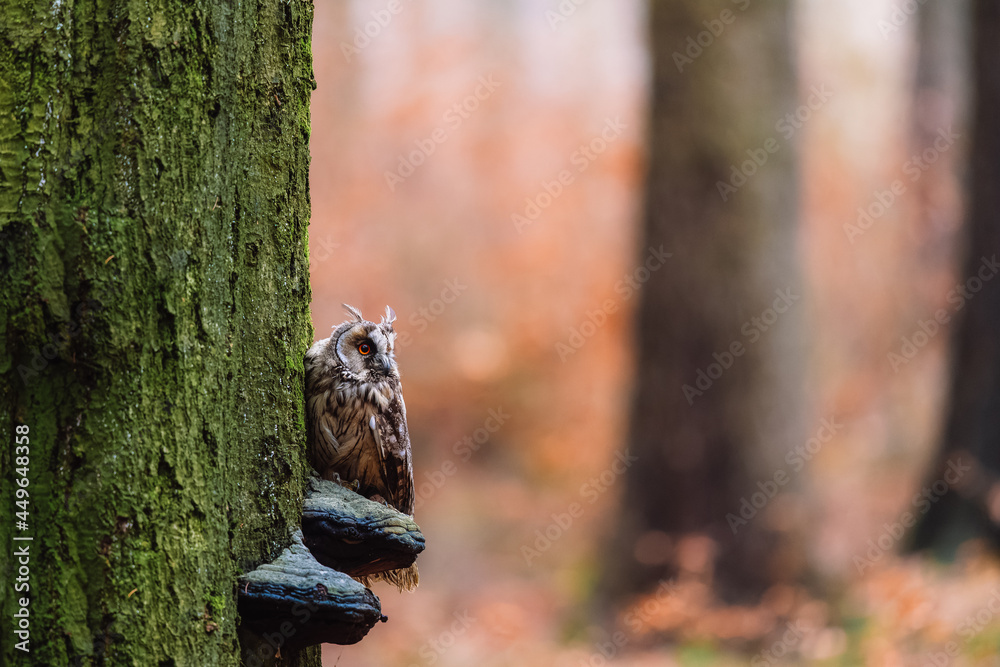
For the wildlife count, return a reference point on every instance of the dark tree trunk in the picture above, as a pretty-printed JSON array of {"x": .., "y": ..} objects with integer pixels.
[
  {"x": 704, "y": 441},
  {"x": 153, "y": 317},
  {"x": 972, "y": 425}
]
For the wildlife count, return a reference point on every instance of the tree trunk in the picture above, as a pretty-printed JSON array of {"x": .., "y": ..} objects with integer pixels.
[
  {"x": 716, "y": 404},
  {"x": 972, "y": 426},
  {"x": 154, "y": 317}
]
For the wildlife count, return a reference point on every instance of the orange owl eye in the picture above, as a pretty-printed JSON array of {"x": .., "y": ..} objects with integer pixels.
[{"x": 364, "y": 348}]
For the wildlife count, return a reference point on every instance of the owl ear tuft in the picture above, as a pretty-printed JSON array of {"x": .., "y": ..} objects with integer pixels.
[
  {"x": 354, "y": 312},
  {"x": 390, "y": 315}
]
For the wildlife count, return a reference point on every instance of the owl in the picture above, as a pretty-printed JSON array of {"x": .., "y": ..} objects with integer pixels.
[{"x": 356, "y": 416}]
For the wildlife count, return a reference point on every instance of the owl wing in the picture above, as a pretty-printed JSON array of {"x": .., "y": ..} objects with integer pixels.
[
  {"x": 324, "y": 447},
  {"x": 393, "y": 441}
]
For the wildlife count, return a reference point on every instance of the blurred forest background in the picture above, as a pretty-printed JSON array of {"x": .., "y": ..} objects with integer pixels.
[{"x": 658, "y": 420}]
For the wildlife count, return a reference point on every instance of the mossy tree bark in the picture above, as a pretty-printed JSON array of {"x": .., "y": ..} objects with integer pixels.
[
  {"x": 716, "y": 402},
  {"x": 154, "y": 317}
]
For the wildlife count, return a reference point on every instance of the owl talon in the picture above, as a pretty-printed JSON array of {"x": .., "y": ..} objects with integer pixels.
[
  {"x": 353, "y": 486},
  {"x": 379, "y": 499}
]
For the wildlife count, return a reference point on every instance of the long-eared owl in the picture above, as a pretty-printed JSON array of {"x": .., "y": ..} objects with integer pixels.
[{"x": 356, "y": 424}]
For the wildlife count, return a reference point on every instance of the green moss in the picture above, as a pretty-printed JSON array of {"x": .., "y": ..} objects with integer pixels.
[{"x": 216, "y": 604}]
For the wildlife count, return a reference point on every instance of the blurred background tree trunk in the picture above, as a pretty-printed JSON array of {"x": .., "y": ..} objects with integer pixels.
[
  {"x": 972, "y": 423},
  {"x": 719, "y": 377},
  {"x": 154, "y": 316}
]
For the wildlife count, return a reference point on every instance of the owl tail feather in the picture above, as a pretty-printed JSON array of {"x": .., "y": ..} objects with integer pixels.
[{"x": 406, "y": 579}]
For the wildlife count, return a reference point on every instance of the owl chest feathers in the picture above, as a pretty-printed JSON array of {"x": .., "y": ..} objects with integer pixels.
[{"x": 345, "y": 441}]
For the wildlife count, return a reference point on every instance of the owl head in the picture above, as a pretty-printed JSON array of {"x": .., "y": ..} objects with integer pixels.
[{"x": 365, "y": 349}]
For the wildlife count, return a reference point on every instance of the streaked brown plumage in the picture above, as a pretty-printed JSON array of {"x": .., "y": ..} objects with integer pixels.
[{"x": 357, "y": 418}]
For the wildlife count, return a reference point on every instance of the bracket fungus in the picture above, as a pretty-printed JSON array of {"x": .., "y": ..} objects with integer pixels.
[
  {"x": 305, "y": 602},
  {"x": 358, "y": 536},
  {"x": 307, "y": 595}
]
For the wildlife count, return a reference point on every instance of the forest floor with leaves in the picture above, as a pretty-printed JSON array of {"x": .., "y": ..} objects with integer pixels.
[
  {"x": 907, "y": 611},
  {"x": 903, "y": 612}
]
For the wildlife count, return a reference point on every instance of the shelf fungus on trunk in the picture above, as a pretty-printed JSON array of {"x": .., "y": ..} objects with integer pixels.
[
  {"x": 295, "y": 602},
  {"x": 361, "y": 537}
]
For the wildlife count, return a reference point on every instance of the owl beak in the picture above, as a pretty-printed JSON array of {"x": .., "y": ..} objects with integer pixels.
[{"x": 383, "y": 361}]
